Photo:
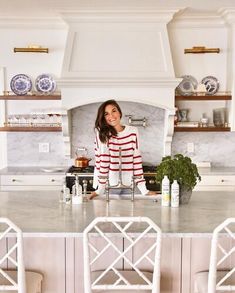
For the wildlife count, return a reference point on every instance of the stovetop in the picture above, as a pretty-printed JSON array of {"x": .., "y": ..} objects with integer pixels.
[
  {"x": 90, "y": 169},
  {"x": 149, "y": 169},
  {"x": 78, "y": 170}
]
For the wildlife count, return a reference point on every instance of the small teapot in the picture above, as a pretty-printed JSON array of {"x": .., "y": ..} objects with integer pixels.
[{"x": 81, "y": 160}]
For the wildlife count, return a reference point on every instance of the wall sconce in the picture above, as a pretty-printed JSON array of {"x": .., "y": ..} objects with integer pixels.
[
  {"x": 199, "y": 50},
  {"x": 137, "y": 122},
  {"x": 32, "y": 49}
]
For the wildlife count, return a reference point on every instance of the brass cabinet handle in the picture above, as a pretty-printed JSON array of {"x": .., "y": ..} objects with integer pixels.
[{"x": 151, "y": 181}]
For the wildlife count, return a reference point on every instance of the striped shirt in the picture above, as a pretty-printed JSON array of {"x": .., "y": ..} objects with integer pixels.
[{"x": 107, "y": 160}]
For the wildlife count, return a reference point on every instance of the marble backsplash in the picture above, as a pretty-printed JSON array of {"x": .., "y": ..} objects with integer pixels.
[
  {"x": 217, "y": 147},
  {"x": 151, "y": 137}
]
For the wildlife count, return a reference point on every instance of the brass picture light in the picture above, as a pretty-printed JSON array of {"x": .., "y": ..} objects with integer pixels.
[
  {"x": 32, "y": 49},
  {"x": 199, "y": 50}
]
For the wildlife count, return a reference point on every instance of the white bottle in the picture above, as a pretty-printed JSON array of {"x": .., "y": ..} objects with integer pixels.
[
  {"x": 175, "y": 194},
  {"x": 77, "y": 193},
  {"x": 65, "y": 193},
  {"x": 165, "y": 192}
]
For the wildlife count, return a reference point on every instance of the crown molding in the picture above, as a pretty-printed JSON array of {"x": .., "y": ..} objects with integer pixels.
[
  {"x": 228, "y": 14},
  {"x": 197, "y": 20},
  {"x": 160, "y": 15},
  {"x": 32, "y": 22},
  {"x": 125, "y": 82}
]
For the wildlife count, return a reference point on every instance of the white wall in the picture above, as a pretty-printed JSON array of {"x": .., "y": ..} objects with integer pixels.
[{"x": 22, "y": 34}]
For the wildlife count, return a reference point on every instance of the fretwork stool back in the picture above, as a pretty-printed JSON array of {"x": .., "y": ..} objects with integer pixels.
[
  {"x": 221, "y": 274},
  {"x": 128, "y": 277},
  {"x": 12, "y": 272}
]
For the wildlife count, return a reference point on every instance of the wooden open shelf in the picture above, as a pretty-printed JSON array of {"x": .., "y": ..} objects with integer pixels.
[
  {"x": 201, "y": 129},
  {"x": 31, "y": 129},
  {"x": 218, "y": 97},
  {"x": 30, "y": 97}
]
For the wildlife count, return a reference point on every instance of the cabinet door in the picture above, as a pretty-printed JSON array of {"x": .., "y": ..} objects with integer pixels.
[
  {"x": 31, "y": 182},
  {"x": 47, "y": 256},
  {"x": 74, "y": 261},
  {"x": 196, "y": 258},
  {"x": 170, "y": 263},
  {"x": 216, "y": 182}
]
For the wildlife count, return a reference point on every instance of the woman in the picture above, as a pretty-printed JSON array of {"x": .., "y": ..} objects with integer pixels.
[{"x": 111, "y": 135}]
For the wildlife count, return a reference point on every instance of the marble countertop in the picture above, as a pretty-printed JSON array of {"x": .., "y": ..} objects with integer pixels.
[
  {"x": 35, "y": 170},
  {"x": 39, "y": 213}
]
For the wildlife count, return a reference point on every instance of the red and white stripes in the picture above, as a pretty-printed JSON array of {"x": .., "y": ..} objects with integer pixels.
[{"x": 107, "y": 159}]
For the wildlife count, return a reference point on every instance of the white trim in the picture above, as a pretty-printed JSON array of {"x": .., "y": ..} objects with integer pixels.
[
  {"x": 3, "y": 135},
  {"x": 197, "y": 21},
  {"x": 32, "y": 22},
  {"x": 140, "y": 15},
  {"x": 119, "y": 82}
]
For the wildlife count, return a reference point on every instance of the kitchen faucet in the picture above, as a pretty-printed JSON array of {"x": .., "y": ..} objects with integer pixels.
[{"x": 120, "y": 185}]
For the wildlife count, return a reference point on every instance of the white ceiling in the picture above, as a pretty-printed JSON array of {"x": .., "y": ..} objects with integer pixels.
[{"x": 48, "y": 8}]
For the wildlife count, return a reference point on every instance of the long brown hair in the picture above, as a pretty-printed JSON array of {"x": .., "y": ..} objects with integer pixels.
[{"x": 105, "y": 130}]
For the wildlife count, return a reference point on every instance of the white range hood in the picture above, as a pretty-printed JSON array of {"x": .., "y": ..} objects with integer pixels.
[{"x": 121, "y": 55}]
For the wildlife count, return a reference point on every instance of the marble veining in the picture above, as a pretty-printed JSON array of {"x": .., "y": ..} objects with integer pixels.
[
  {"x": 151, "y": 137},
  {"x": 217, "y": 147},
  {"x": 22, "y": 147},
  {"x": 39, "y": 212}
]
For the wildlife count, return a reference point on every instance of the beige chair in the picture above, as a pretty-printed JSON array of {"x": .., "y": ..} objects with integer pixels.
[
  {"x": 13, "y": 276},
  {"x": 221, "y": 274},
  {"x": 122, "y": 269}
]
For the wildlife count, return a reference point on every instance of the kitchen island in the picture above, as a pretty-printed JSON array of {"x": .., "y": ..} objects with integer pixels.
[
  {"x": 53, "y": 234},
  {"x": 41, "y": 214}
]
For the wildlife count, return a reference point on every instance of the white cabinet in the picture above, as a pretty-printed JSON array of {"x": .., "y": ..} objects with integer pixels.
[
  {"x": 31, "y": 182},
  {"x": 216, "y": 182}
]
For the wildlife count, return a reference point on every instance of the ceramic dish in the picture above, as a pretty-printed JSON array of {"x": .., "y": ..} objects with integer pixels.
[
  {"x": 211, "y": 83},
  {"x": 21, "y": 84},
  {"x": 45, "y": 84},
  {"x": 187, "y": 85}
]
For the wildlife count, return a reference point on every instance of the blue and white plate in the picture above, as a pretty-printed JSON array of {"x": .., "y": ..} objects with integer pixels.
[
  {"x": 21, "y": 84},
  {"x": 188, "y": 85},
  {"x": 45, "y": 84},
  {"x": 211, "y": 83}
]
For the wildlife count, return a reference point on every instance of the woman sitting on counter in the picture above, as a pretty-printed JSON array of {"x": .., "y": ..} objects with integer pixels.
[{"x": 111, "y": 135}]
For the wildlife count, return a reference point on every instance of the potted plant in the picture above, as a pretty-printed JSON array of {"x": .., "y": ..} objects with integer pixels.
[{"x": 182, "y": 169}]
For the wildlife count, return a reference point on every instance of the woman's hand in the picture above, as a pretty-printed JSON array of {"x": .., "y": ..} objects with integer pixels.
[
  {"x": 151, "y": 192},
  {"x": 92, "y": 195}
]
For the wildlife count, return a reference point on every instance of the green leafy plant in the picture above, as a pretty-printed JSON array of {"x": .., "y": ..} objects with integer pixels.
[{"x": 180, "y": 168}]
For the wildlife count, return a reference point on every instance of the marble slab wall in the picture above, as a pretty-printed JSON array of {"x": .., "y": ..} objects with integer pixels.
[
  {"x": 23, "y": 149},
  {"x": 217, "y": 147},
  {"x": 151, "y": 137}
]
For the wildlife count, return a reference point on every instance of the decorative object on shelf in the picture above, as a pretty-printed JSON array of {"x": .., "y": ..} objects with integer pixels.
[
  {"x": 211, "y": 83},
  {"x": 137, "y": 121},
  {"x": 201, "y": 49},
  {"x": 187, "y": 86},
  {"x": 183, "y": 115},
  {"x": 21, "y": 84},
  {"x": 176, "y": 117},
  {"x": 219, "y": 117},
  {"x": 182, "y": 169},
  {"x": 32, "y": 49},
  {"x": 201, "y": 89},
  {"x": 188, "y": 124},
  {"x": 204, "y": 122},
  {"x": 45, "y": 84}
]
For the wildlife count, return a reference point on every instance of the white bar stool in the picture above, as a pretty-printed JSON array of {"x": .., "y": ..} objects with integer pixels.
[
  {"x": 15, "y": 279},
  {"x": 221, "y": 274},
  {"x": 122, "y": 270}
]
